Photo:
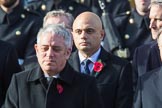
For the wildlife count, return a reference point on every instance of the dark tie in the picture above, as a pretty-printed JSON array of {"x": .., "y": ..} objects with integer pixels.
[
  {"x": 86, "y": 68},
  {"x": 46, "y": 81},
  {"x": 49, "y": 79}
]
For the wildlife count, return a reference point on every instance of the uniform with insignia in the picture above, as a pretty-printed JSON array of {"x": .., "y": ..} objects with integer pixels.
[
  {"x": 20, "y": 28},
  {"x": 43, "y": 6},
  {"x": 113, "y": 7},
  {"x": 134, "y": 30}
]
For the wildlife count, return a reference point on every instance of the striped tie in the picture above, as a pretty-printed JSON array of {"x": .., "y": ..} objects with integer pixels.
[{"x": 86, "y": 68}]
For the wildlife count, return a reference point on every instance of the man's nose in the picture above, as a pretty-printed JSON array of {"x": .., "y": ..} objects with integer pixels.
[
  {"x": 50, "y": 52},
  {"x": 152, "y": 24},
  {"x": 84, "y": 34}
]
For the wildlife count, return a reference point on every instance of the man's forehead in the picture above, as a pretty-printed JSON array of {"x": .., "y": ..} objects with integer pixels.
[
  {"x": 155, "y": 13},
  {"x": 84, "y": 28},
  {"x": 50, "y": 36}
]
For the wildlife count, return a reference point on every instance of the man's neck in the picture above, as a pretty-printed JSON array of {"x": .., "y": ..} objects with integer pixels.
[
  {"x": 10, "y": 9},
  {"x": 142, "y": 13}
]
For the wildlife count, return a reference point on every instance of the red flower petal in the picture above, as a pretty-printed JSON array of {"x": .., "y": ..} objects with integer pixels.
[
  {"x": 98, "y": 66},
  {"x": 59, "y": 88}
]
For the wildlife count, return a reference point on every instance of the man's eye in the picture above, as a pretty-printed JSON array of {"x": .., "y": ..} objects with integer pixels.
[
  {"x": 158, "y": 19},
  {"x": 90, "y": 31},
  {"x": 57, "y": 49},
  {"x": 78, "y": 31},
  {"x": 44, "y": 49}
]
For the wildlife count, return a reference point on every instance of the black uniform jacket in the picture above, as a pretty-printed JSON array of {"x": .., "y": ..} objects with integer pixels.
[
  {"x": 20, "y": 28},
  {"x": 114, "y": 7},
  {"x": 134, "y": 30},
  {"x": 43, "y": 6},
  {"x": 114, "y": 80}
]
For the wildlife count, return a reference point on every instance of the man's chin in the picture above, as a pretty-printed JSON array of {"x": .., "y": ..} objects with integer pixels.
[
  {"x": 85, "y": 49},
  {"x": 49, "y": 69}
]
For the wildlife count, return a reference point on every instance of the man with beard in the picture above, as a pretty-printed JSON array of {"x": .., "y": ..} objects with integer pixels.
[{"x": 19, "y": 27}]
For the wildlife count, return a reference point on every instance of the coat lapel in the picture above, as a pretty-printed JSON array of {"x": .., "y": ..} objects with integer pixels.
[
  {"x": 36, "y": 75},
  {"x": 67, "y": 75},
  {"x": 103, "y": 57},
  {"x": 74, "y": 61}
]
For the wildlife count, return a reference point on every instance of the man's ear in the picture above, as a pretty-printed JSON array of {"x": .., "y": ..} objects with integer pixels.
[
  {"x": 36, "y": 48},
  {"x": 68, "y": 53},
  {"x": 102, "y": 34}
]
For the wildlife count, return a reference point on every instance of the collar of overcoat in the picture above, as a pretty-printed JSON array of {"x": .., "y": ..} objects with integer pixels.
[{"x": 66, "y": 75}]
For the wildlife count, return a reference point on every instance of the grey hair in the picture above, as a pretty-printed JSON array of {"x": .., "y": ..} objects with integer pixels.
[
  {"x": 56, "y": 29},
  {"x": 155, "y": 2},
  {"x": 58, "y": 13}
]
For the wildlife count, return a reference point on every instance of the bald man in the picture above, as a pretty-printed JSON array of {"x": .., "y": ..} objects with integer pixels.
[{"x": 114, "y": 75}]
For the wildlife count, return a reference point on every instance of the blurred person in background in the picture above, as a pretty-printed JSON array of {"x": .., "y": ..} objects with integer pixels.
[
  {"x": 113, "y": 7},
  {"x": 149, "y": 88},
  {"x": 52, "y": 17},
  {"x": 133, "y": 27},
  {"x": 19, "y": 27},
  {"x": 147, "y": 57},
  {"x": 8, "y": 66},
  {"x": 44, "y": 6}
]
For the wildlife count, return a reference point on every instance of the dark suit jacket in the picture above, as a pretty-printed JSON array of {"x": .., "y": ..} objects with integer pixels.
[
  {"x": 114, "y": 81},
  {"x": 146, "y": 58},
  {"x": 28, "y": 90},
  {"x": 149, "y": 90},
  {"x": 8, "y": 66}
]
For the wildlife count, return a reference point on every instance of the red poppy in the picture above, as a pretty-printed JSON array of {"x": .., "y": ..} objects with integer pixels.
[
  {"x": 59, "y": 88},
  {"x": 98, "y": 66}
]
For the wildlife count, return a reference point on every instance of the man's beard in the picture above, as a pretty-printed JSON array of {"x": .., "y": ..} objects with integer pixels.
[{"x": 9, "y": 3}]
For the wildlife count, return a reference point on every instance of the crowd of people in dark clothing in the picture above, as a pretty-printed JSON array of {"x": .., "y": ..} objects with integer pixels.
[{"x": 80, "y": 54}]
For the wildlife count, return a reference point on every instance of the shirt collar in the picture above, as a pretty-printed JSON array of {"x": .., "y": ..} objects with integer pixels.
[
  {"x": 55, "y": 76},
  {"x": 93, "y": 58}
]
